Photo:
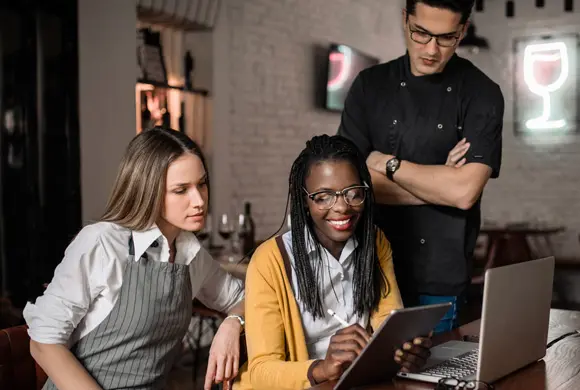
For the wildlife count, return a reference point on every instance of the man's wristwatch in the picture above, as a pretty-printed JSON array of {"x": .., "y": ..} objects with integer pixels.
[
  {"x": 239, "y": 318},
  {"x": 392, "y": 165}
]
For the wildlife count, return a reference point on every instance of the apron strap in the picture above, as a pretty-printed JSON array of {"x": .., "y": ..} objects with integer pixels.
[{"x": 131, "y": 245}]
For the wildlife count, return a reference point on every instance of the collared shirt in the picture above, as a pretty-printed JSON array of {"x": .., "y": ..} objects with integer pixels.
[
  {"x": 336, "y": 282},
  {"x": 87, "y": 283},
  {"x": 420, "y": 119}
]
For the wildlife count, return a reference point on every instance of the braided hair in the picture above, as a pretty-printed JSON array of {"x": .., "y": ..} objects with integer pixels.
[{"x": 369, "y": 281}]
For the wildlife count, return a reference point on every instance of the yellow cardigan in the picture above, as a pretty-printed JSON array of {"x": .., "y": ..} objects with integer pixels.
[{"x": 277, "y": 353}]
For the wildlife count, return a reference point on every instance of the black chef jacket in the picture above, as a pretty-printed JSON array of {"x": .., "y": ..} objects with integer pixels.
[{"x": 420, "y": 119}]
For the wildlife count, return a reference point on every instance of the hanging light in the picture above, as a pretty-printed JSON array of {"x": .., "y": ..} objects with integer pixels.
[{"x": 471, "y": 42}]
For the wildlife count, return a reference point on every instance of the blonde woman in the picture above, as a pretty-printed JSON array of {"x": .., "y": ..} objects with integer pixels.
[{"x": 120, "y": 301}]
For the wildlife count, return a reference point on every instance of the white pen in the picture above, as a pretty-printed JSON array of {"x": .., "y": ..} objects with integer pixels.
[{"x": 342, "y": 322}]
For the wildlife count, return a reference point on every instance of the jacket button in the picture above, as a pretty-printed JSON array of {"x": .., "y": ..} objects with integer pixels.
[
  {"x": 422, "y": 241},
  {"x": 439, "y": 126},
  {"x": 403, "y": 83},
  {"x": 394, "y": 121},
  {"x": 449, "y": 89}
]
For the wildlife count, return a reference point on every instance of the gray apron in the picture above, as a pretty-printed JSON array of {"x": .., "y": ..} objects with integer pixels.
[{"x": 137, "y": 344}]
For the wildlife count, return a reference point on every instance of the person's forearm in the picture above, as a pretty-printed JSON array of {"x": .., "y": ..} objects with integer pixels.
[
  {"x": 267, "y": 372},
  {"x": 437, "y": 184},
  {"x": 62, "y": 367},
  {"x": 388, "y": 192},
  {"x": 238, "y": 309},
  {"x": 318, "y": 373}
]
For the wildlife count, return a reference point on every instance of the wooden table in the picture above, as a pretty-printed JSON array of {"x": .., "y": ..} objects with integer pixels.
[{"x": 559, "y": 370}]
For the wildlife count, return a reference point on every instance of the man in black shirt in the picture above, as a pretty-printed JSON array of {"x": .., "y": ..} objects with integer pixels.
[{"x": 430, "y": 124}]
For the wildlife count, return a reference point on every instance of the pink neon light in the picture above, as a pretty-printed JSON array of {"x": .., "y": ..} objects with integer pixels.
[{"x": 342, "y": 74}]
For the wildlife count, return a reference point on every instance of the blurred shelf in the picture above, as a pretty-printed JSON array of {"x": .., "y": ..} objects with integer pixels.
[
  {"x": 200, "y": 17},
  {"x": 196, "y": 91}
]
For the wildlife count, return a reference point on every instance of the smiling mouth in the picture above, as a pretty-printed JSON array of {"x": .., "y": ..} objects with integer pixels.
[
  {"x": 340, "y": 223},
  {"x": 343, "y": 224}
]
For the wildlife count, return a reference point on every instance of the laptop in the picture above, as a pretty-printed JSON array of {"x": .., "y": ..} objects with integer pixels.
[{"x": 514, "y": 327}]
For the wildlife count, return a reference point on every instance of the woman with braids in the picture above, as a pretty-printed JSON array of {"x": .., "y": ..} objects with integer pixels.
[{"x": 332, "y": 260}]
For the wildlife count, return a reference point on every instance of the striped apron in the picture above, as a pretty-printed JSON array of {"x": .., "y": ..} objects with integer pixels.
[{"x": 137, "y": 344}]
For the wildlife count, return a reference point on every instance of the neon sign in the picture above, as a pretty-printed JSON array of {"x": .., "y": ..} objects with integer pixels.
[
  {"x": 343, "y": 61},
  {"x": 548, "y": 55}
]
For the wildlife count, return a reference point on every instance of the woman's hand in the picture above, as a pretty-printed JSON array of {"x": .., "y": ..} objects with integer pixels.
[
  {"x": 344, "y": 347},
  {"x": 413, "y": 354},
  {"x": 224, "y": 354}
]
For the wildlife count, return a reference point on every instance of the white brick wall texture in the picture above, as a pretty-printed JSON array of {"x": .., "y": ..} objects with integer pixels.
[
  {"x": 272, "y": 110},
  {"x": 539, "y": 181}
]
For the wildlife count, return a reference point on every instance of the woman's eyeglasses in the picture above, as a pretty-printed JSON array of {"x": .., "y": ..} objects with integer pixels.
[{"x": 353, "y": 196}]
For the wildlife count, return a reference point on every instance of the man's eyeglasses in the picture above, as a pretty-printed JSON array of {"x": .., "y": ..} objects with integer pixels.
[
  {"x": 424, "y": 38},
  {"x": 326, "y": 199}
]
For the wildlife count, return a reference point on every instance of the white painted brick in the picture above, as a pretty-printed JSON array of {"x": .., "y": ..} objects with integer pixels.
[
  {"x": 537, "y": 182},
  {"x": 272, "y": 110}
]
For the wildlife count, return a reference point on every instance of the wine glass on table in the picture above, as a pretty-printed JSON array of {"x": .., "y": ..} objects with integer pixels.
[
  {"x": 205, "y": 232},
  {"x": 226, "y": 230}
]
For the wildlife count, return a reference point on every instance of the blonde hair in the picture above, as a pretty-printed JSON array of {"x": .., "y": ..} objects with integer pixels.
[{"x": 138, "y": 194}]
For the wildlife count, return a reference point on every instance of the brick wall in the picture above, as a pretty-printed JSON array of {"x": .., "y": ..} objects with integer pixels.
[
  {"x": 272, "y": 86},
  {"x": 539, "y": 179},
  {"x": 264, "y": 63}
]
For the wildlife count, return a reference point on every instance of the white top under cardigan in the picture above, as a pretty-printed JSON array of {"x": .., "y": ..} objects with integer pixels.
[{"x": 336, "y": 282}]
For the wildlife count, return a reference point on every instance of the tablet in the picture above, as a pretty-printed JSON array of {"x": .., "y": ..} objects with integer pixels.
[{"x": 376, "y": 363}]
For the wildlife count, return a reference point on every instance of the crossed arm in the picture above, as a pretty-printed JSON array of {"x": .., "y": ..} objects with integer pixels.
[
  {"x": 415, "y": 184},
  {"x": 460, "y": 182}
]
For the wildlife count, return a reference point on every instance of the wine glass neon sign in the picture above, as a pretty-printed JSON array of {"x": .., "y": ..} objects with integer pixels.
[{"x": 549, "y": 53}]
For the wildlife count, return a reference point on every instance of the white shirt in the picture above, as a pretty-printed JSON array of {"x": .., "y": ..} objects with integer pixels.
[
  {"x": 87, "y": 283},
  {"x": 337, "y": 279}
]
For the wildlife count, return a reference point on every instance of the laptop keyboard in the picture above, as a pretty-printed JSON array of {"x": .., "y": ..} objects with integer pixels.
[{"x": 458, "y": 367}]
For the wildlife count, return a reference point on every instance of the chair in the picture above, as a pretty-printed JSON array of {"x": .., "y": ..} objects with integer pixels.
[{"x": 18, "y": 370}]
